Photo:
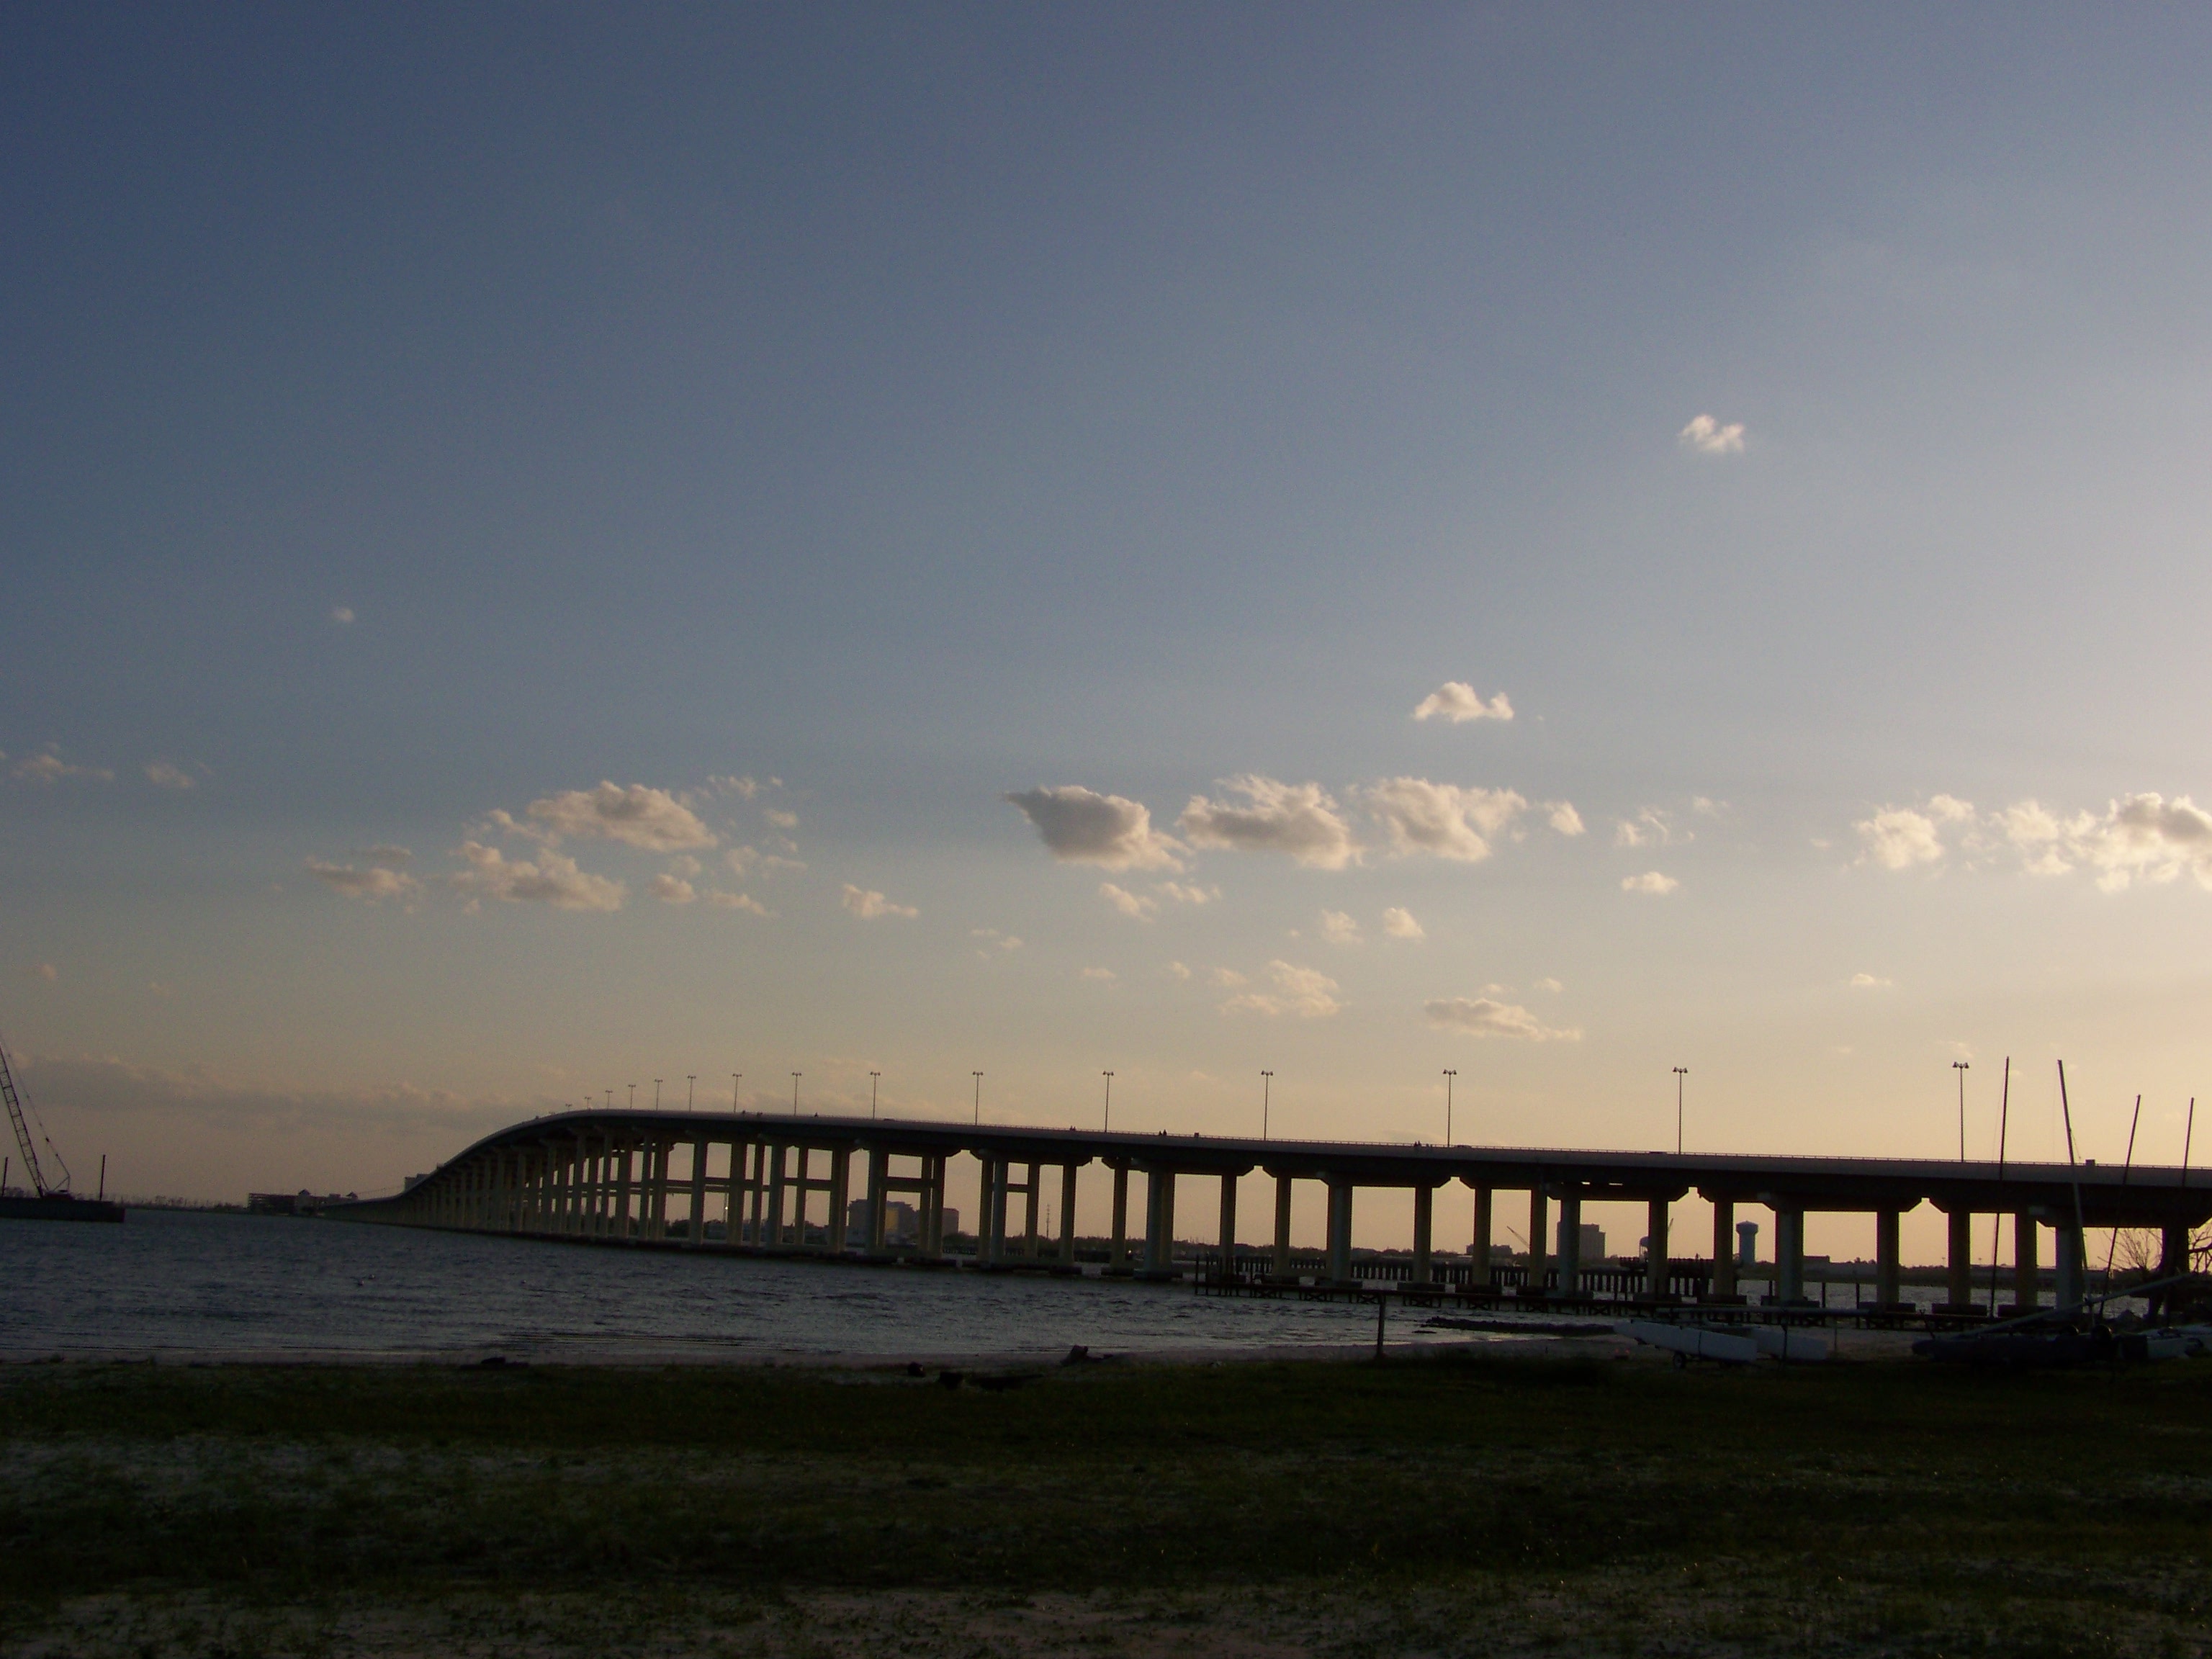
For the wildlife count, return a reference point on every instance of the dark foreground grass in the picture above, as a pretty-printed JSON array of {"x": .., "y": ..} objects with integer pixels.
[{"x": 1901, "y": 1506}]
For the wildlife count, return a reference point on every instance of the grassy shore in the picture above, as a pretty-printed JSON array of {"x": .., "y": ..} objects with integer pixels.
[{"x": 1447, "y": 1506}]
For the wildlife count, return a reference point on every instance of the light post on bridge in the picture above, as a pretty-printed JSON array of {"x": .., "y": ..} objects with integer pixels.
[
  {"x": 735, "y": 1077},
  {"x": 1960, "y": 1068},
  {"x": 633, "y": 1096},
  {"x": 978, "y": 1076},
  {"x": 1107, "y": 1124},
  {"x": 1681, "y": 1072},
  {"x": 1266, "y": 1100},
  {"x": 656, "y": 1094},
  {"x": 1448, "y": 1075},
  {"x": 691, "y": 1084},
  {"x": 873, "y": 1076},
  {"x": 794, "y": 1094}
]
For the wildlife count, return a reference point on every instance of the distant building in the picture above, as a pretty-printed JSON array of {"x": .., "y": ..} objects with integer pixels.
[
  {"x": 902, "y": 1222},
  {"x": 1747, "y": 1243},
  {"x": 1593, "y": 1242}
]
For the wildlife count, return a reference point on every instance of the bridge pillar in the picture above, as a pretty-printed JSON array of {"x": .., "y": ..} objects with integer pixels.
[
  {"x": 1067, "y": 1212},
  {"x": 773, "y": 1234},
  {"x": 1117, "y": 1254},
  {"x": 1282, "y": 1262},
  {"x": 932, "y": 1175},
  {"x": 656, "y": 1151},
  {"x": 1032, "y": 1208},
  {"x": 623, "y": 1172},
  {"x": 1539, "y": 1226},
  {"x": 2172, "y": 1260},
  {"x": 1226, "y": 1271},
  {"x": 2071, "y": 1278},
  {"x": 1424, "y": 1212},
  {"x": 1658, "y": 1258},
  {"x": 1479, "y": 1271},
  {"x": 840, "y": 1198},
  {"x": 1159, "y": 1222},
  {"x": 2026, "y": 1272},
  {"x": 695, "y": 1228},
  {"x": 1889, "y": 1267},
  {"x": 876, "y": 1223},
  {"x": 1789, "y": 1255},
  {"x": 1958, "y": 1263},
  {"x": 1570, "y": 1241},
  {"x": 1723, "y": 1288},
  {"x": 1339, "y": 1231},
  {"x": 998, "y": 1167}
]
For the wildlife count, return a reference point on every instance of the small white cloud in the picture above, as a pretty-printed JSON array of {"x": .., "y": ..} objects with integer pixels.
[
  {"x": 374, "y": 882},
  {"x": 1185, "y": 892},
  {"x": 164, "y": 775},
  {"x": 1869, "y": 983},
  {"x": 1176, "y": 971},
  {"x": 1706, "y": 808},
  {"x": 722, "y": 900},
  {"x": 343, "y": 616},
  {"x": 1135, "y": 906},
  {"x": 1707, "y": 436},
  {"x": 684, "y": 865},
  {"x": 387, "y": 855},
  {"x": 1650, "y": 827},
  {"x": 652, "y": 820},
  {"x": 47, "y": 971},
  {"x": 1299, "y": 820},
  {"x": 781, "y": 819},
  {"x": 1228, "y": 978},
  {"x": 551, "y": 879},
  {"x": 1400, "y": 924},
  {"x": 1898, "y": 837},
  {"x": 1442, "y": 819},
  {"x": 1564, "y": 818},
  {"x": 1304, "y": 992},
  {"x": 1338, "y": 927},
  {"x": 870, "y": 905},
  {"x": 1099, "y": 973},
  {"x": 743, "y": 789},
  {"x": 671, "y": 889},
  {"x": 1649, "y": 882},
  {"x": 49, "y": 768},
  {"x": 1551, "y": 984},
  {"x": 1455, "y": 701},
  {"x": 1486, "y": 1016},
  {"x": 1081, "y": 826}
]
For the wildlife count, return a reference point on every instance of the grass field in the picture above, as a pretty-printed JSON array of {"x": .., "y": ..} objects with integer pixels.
[{"x": 1443, "y": 1506}]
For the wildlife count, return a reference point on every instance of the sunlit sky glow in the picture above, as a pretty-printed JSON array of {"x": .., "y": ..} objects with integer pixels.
[{"x": 548, "y": 549}]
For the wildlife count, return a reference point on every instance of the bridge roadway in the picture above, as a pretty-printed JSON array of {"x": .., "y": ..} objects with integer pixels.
[{"x": 612, "y": 1176}]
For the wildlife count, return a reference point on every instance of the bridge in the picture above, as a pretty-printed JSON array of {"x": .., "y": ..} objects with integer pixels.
[{"x": 666, "y": 1178}]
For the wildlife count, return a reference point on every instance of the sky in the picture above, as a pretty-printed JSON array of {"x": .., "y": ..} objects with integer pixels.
[{"x": 557, "y": 549}]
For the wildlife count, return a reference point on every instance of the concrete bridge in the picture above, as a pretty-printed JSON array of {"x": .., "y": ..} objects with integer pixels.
[{"x": 667, "y": 1177}]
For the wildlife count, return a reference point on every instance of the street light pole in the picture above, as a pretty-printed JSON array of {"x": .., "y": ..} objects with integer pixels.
[
  {"x": 633, "y": 1097},
  {"x": 1959, "y": 1066},
  {"x": 978, "y": 1076},
  {"x": 1109, "y": 1123},
  {"x": 656, "y": 1094},
  {"x": 873, "y": 1076},
  {"x": 1267, "y": 1099},
  {"x": 735, "y": 1077},
  {"x": 1448, "y": 1075},
  {"x": 1681, "y": 1072},
  {"x": 690, "y": 1084},
  {"x": 795, "y": 1093}
]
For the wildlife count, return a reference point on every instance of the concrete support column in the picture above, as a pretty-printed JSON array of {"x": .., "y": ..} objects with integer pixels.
[
  {"x": 2026, "y": 1271},
  {"x": 1889, "y": 1287},
  {"x": 841, "y": 1197},
  {"x": 623, "y": 1193},
  {"x": 663, "y": 1156},
  {"x": 1117, "y": 1253},
  {"x": 1032, "y": 1205},
  {"x": 1067, "y": 1213},
  {"x": 878, "y": 1163},
  {"x": 1790, "y": 1256},
  {"x": 1570, "y": 1241},
  {"x": 934, "y": 1172},
  {"x": 1227, "y": 1270},
  {"x": 1480, "y": 1272},
  {"x": 1959, "y": 1264},
  {"x": 695, "y": 1230},
  {"x": 999, "y": 1171},
  {"x": 1160, "y": 1221},
  {"x": 772, "y": 1233},
  {"x": 1339, "y": 1232},
  {"x": 1424, "y": 1212},
  {"x": 1280, "y": 1266},
  {"x": 2071, "y": 1279},
  {"x": 1540, "y": 1240},
  {"x": 2172, "y": 1260},
  {"x": 1657, "y": 1259},
  {"x": 1723, "y": 1283}
]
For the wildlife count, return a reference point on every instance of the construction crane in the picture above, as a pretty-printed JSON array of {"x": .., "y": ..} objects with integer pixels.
[{"x": 16, "y": 1108}]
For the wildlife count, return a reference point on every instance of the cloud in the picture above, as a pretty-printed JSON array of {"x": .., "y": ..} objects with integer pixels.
[
  {"x": 1132, "y": 905},
  {"x": 1707, "y": 436},
  {"x": 722, "y": 900},
  {"x": 1081, "y": 826},
  {"x": 2141, "y": 837},
  {"x": 49, "y": 768},
  {"x": 1185, "y": 892},
  {"x": 1228, "y": 978},
  {"x": 1456, "y": 702},
  {"x": 1304, "y": 992},
  {"x": 1099, "y": 973},
  {"x": 1898, "y": 837},
  {"x": 684, "y": 865},
  {"x": 1563, "y": 817},
  {"x": 552, "y": 879},
  {"x": 1400, "y": 924},
  {"x": 1442, "y": 819},
  {"x": 1339, "y": 928},
  {"x": 1176, "y": 971},
  {"x": 781, "y": 820},
  {"x": 1650, "y": 827},
  {"x": 1869, "y": 983},
  {"x": 1551, "y": 984},
  {"x": 377, "y": 882},
  {"x": 1649, "y": 882},
  {"x": 743, "y": 788},
  {"x": 869, "y": 905},
  {"x": 164, "y": 776},
  {"x": 650, "y": 819},
  {"x": 1486, "y": 1017},
  {"x": 1298, "y": 820},
  {"x": 671, "y": 889},
  {"x": 386, "y": 856},
  {"x": 341, "y": 615},
  {"x": 993, "y": 936}
]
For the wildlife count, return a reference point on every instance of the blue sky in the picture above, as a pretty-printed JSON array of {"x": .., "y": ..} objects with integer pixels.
[{"x": 916, "y": 406}]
